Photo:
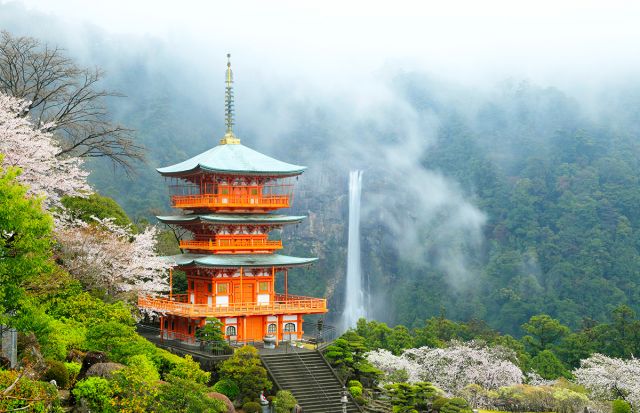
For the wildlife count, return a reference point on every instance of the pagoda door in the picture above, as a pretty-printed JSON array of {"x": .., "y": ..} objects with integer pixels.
[
  {"x": 254, "y": 328},
  {"x": 202, "y": 291},
  {"x": 247, "y": 293}
]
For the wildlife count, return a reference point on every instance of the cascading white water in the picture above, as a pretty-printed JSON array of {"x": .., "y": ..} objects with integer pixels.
[{"x": 354, "y": 307}]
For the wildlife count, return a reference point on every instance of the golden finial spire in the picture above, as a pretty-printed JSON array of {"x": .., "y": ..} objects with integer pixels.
[{"x": 229, "y": 137}]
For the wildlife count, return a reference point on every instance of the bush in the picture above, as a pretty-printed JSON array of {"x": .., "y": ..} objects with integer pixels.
[
  {"x": 35, "y": 396},
  {"x": 251, "y": 407},
  {"x": 96, "y": 392},
  {"x": 227, "y": 387},
  {"x": 284, "y": 402},
  {"x": 73, "y": 368},
  {"x": 183, "y": 395},
  {"x": 190, "y": 370},
  {"x": 620, "y": 406},
  {"x": 354, "y": 383},
  {"x": 136, "y": 386},
  {"x": 438, "y": 403},
  {"x": 355, "y": 391},
  {"x": 57, "y": 371},
  {"x": 246, "y": 370},
  {"x": 456, "y": 405}
]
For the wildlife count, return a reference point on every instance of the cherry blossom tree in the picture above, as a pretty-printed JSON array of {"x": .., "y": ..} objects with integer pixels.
[
  {"x": 34, "y": 151},
  {"x": 610, "y": 378},
  {"x": 454, "y": 367},
  {"x": 111, "y": 258},
  {"x": 393, "y": 366},
  {"x": 101, "y": 255}
]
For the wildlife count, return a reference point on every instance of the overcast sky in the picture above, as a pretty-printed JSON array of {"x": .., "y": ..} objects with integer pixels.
[{"x": 466, "y": 41}]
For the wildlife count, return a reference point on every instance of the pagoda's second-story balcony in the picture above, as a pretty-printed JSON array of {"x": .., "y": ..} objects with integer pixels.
[
  {"x": 282, "y": 304},
  {"x": 231, "y": 202},
  {"x": 235, "y": 245}
]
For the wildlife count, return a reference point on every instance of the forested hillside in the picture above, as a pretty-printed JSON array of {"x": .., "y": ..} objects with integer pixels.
[{"x": 496, "y": 203}]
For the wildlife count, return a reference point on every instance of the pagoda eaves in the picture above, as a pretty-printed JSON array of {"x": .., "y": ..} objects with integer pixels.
[
  {"x": 234, "y": 160},
  {"x": 240, "y": 260},
  {"x": 269, "y": 219}
]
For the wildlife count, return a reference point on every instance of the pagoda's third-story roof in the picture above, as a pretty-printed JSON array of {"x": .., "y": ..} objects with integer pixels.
[
  {"x": 239, "y": 260},
  {"x": 231, "y": 219},
  {"x": 232, "y": 159}
]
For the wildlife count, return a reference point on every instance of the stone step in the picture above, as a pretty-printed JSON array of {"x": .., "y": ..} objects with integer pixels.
[{"x": 310, "y": 379}]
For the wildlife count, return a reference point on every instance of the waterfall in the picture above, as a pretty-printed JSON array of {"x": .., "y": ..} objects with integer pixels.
[{"x": 354, "y": 307}]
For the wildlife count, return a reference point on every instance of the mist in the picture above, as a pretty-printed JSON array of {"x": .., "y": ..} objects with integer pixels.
[{"x": 358, "y": 86}]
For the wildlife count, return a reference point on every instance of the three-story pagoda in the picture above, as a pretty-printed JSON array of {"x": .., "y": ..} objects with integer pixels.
[{"x": 229, "y": 194}]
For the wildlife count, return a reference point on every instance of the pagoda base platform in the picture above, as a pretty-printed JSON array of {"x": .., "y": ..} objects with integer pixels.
[
  {"x": 281, "y": 318},
  {"x": 282, "y": 304}
]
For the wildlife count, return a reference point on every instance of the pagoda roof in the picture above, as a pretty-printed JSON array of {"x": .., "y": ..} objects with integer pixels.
[
  {"x": 239, "y": 260},
  {"x": 232, "y": 159},
  {"x": 230, "y": 219}
]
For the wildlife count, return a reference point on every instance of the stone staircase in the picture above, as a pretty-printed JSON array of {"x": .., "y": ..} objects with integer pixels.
[{"x": 310, "y": 379}]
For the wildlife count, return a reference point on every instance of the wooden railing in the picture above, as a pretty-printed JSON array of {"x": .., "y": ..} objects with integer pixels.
[
  {"x": 231, "y": 245},
  {"x": 219, "y": 201},
  {"x": 297, "y": 305}
]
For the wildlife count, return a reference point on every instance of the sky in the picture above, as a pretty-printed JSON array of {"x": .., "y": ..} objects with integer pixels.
[{"x": 337, "y": 42}]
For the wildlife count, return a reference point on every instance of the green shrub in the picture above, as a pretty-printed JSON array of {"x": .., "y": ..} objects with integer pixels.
[
  {"x": 57, "y": 371},
  {"x": 36, "y": 396},
  {"x": 73, "y": 368},
  {"x": 245, "y": 368},
  {"x": 438, "y": 403},
  {"x": 251, "y": 407},
  {"x": 284, "y": 402},
  {"x": 456, "y": 405},
  {"x": 190, "y": 370},
  {"x": 135, "y": 387},
  {"x": 354, "y": 383},
  {"x": 355, "y": 391},
  {"x": 182, "y": 395},
  {"x": 620, "y": 406},
  {"x": 96, "y": 392},
  {"x": 227, "y": 387}
]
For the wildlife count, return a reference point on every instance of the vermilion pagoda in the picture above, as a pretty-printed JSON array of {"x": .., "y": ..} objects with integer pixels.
[{"x": 229, "y": 194}]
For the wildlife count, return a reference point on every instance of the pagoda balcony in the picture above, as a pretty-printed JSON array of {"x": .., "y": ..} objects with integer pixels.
[
  {"x": 219, "y": 201},
  {"x": 281, "y": 304},
  {"x": 236, "y": 245}
]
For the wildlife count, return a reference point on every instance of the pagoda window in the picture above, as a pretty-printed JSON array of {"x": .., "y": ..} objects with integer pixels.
[
  {"x": 263, "y": 286},
  {"x": 222, "y": 288},
  {"x": 231, "y": 331},
  {"x": 290, "y": 327},
  {"x": 209, "y": 287},
  {"x": 271, "y": 329}
]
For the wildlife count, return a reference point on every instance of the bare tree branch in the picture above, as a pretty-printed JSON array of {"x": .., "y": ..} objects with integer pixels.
[{"x": 65, "y": 98}]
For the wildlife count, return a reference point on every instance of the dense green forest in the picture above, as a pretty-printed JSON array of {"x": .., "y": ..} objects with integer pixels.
[{"x": 497, "y": 204}]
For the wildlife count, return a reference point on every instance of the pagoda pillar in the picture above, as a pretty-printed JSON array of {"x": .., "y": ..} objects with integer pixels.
[
  {"x": 286, "y": 284},
  {"x": 244, "y": 321}
]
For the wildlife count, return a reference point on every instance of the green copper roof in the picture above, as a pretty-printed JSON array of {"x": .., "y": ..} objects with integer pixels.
[
  {"x": 231, "y": 219},
  {"x": 240, "y": 260},
  {"x": 233, "y": 159}
]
